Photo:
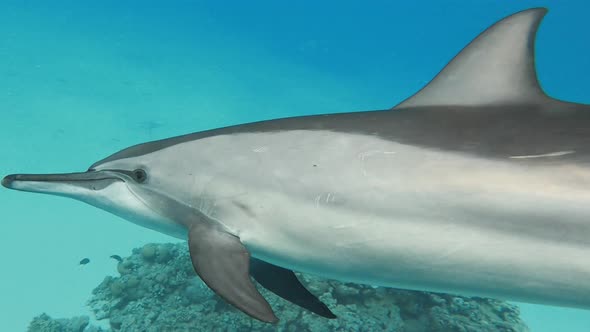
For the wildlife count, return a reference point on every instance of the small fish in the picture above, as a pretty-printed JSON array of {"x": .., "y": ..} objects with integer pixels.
[
  {"x": 117, "y": 257},
  {"x": 84, "y": 261}
]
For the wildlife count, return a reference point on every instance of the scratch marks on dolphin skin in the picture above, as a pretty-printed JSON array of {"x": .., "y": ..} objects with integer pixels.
[
  {"x": 327, "y": 198},
  {"x": 552, "y": 154},
  {"x": 365, "y": 154},
  {"x": 260, "y": 149},
  {"x": 245, "y": 208}
]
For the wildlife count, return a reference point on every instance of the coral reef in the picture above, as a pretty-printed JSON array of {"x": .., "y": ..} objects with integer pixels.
[
  {"x": 159, "y": 291},
  {"x": 44, "y": 323}
]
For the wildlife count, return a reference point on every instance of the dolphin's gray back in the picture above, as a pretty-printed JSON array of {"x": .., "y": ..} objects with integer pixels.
[
  {"x": 490, "y": 131},
  {"x": 498, "y": 132}
]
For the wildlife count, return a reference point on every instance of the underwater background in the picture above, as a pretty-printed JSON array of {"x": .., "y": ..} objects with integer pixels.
[{"x": 80, "y": 80}]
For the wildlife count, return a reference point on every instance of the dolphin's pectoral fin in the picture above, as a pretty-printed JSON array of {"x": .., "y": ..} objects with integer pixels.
[
  {"x": 285, "y": 284},
  {"x": 223, "y": 263}
]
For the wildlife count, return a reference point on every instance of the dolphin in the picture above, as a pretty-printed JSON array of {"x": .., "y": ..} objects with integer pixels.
[{"x": 479, "y": 185}]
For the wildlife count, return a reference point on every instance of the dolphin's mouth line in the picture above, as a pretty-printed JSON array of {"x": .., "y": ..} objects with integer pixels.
[{"x": 8, "y": 180}]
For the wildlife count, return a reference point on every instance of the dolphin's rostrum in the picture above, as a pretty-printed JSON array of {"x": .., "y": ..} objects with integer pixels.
[{"x": 478, "y": 185}]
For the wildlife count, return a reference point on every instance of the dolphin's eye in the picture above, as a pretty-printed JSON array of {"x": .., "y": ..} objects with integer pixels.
[{"x": 140, "y": 175}]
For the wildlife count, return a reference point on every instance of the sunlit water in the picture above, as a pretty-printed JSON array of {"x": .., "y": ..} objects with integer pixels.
[{"x": 79, "y": 80}]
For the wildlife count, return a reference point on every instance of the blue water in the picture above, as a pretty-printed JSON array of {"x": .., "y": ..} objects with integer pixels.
[{"x": 79, "y": 80}]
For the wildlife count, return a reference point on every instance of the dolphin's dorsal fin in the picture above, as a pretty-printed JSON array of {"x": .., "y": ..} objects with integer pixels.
[{"x": 498, "y": 67}]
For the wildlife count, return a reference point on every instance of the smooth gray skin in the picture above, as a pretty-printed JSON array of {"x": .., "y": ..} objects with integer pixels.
[{"x": 478, "y": 185}]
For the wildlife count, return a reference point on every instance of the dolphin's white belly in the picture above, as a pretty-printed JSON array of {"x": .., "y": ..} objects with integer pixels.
[{"x": 364, "y": 209}]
